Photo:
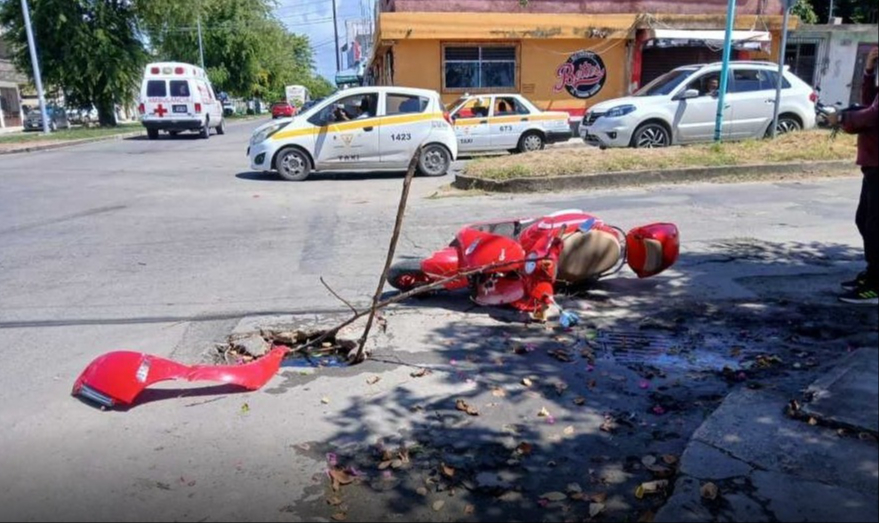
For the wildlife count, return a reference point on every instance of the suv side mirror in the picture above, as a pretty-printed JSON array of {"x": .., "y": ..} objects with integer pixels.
[{"x": 687, "y": 95}]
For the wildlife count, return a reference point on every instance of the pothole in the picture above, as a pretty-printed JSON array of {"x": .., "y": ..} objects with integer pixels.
[{"x": 304, "y": 354}]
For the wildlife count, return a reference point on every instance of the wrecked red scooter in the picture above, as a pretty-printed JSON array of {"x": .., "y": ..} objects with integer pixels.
[
  {"x": 117, "y": 378},
  {"x": 521, "y": 262}
]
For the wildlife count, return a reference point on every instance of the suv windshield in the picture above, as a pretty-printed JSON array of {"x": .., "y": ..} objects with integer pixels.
[{"x": 666, "y": 83}]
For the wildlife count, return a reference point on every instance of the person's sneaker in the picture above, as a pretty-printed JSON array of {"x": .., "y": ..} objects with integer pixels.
[
  {"x": 863, "y": 295},
  {"x": 855, "y": 283}
]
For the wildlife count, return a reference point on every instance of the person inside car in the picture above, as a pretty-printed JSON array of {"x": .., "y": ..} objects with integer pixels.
[
  {"x": 712, "y": 86},
  {"x": 363, "y": 111}
]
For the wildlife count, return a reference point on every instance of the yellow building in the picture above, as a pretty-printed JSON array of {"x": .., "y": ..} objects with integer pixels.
[{"x": 561, "y": 61}]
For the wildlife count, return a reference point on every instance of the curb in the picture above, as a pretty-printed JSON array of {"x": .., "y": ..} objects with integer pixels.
[
  {"x": 71, "y": 143},
  {"x": 635, "y": 178}
]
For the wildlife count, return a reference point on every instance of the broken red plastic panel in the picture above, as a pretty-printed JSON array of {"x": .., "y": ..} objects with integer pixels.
[{"x": 117, "y": 378}]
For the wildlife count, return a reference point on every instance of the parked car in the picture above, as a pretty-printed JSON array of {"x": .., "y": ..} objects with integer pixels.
[
  {"x": 282, "y": 110},
  {"x": 85, "y": 116},
  {"x": 361, "y": 129},
  {"x": 56, "y": 115},
  {"x": 308, "y": 105},
  {"x": 506, "y": 122},
  {"x": 177, "y": 97},
  {"x": 680, "y": 107}
]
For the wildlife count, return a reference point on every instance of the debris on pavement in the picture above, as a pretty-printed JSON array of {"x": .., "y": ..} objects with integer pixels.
[
  {"x": 658, "y": 486},
  {"x": 709, "y": 491},
  {"x": 464, "y": 407}
]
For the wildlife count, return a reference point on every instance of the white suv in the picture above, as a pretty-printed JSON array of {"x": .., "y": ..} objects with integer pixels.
[{"x": 681, "y": 107}]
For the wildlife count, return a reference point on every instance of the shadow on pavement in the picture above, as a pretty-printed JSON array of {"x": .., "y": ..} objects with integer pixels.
[{"x": 576, "y": 423}]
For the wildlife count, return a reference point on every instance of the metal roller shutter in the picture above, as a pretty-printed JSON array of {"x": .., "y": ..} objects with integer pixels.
[{"x": 658, "y": 61}]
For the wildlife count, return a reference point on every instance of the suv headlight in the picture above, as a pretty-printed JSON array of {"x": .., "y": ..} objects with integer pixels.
[
  {"x": 265, "y": 134},
  {"x": 620, "y": 111}
]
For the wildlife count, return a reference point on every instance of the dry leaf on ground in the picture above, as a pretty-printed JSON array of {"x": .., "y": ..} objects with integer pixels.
[
  {"x": 709, "y": 491},
  {"x": 463, "y": 407}
]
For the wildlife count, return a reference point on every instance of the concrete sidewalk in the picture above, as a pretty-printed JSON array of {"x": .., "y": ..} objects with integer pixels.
[{"x": 770, "y": 467}]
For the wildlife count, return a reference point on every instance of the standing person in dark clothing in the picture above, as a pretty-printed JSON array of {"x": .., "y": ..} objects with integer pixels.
[{"x": 864, "y": 289}]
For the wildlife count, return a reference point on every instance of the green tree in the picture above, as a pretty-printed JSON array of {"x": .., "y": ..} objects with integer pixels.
[
  {"x": 804, "y": 10},
  {"x": 851, "y": 11},
  {"x": 89, "y": 49},
  {"x": 248, "y": 51},
  {"x": 320, "y": 87}
]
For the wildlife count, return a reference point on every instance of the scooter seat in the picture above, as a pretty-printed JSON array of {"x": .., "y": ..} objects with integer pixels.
[{"x": 588, "y": 255}]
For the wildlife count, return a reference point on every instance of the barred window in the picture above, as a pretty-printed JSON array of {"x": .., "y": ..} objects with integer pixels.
[{"x": 479, "y": 67}]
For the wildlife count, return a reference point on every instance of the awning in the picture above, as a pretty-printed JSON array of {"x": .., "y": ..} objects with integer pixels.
[{"x": 711, "y": 36}]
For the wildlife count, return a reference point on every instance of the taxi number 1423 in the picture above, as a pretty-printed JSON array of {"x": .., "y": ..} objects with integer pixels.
[{"x": 401, "y": 137}]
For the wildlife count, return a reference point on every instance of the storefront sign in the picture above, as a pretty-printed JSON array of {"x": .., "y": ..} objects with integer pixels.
[{"x": 583, "y": 75}]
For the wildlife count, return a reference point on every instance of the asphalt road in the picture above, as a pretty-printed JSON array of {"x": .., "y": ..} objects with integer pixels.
[{"x": 165, "y": 246}]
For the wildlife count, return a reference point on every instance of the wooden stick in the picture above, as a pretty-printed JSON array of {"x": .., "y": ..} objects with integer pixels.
[
  {"x": 439, "y": 284},
  {"x": 398, "y": 225},
  {"x": 334, "y": 293}
]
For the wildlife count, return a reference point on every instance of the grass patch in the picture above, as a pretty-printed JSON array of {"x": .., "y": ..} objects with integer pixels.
[
  {"x": 806, "y": 147},
  {"x": 64, "y": 135}
]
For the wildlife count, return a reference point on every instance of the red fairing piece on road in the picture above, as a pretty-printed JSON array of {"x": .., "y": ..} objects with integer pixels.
[
  {"x": 520, "y": 262},
  {"x": 117, "y": 378}
]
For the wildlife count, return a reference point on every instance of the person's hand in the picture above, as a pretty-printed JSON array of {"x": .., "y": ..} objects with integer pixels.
[
  {"x": 832, "y": 119},
  {"x": 872, "y": 58}
]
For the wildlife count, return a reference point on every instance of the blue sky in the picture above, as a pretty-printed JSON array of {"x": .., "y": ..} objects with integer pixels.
[{"x": 314, "y": 18}]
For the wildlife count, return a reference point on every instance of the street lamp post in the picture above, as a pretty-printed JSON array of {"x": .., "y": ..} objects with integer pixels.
[{"x": 36, "y": 63}]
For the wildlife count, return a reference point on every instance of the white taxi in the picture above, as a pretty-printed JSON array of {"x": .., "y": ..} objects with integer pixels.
[
  {"x": 360, "y": 129},
  {"x": 506, "y": 122}
]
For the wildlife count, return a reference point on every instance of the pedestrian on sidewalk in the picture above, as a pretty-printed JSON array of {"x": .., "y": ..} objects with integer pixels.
[{"x": 864, "y": 289}]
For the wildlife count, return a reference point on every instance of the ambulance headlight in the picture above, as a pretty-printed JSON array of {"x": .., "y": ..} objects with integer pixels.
[{"x": 264, "y": 134}]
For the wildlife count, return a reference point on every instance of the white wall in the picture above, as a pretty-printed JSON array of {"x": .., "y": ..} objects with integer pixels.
[{"x": 837, "y": 57}]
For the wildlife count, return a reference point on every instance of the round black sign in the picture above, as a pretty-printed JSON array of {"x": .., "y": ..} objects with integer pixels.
[{"x": 583, "y": 75}]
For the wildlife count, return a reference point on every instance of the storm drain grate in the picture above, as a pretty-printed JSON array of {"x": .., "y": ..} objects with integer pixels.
[{"x": 667, "y": 352}]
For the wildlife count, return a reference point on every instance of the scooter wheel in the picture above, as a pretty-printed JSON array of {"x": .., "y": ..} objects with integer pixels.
[{"x": 407, "y": 275}]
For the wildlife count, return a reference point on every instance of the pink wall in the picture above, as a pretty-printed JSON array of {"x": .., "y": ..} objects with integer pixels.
[{"x": 696, "y": 7}]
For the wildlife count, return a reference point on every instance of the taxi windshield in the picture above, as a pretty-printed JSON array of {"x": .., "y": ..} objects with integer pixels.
[{"x": 457, "y": 103}]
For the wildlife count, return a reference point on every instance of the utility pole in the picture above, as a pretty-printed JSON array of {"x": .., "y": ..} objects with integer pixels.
[
  {"x": 36, "y": 63},
  {"x": 336, "y": 31},
  {"x": 788, "y": 4},
  {"x": 724, "y": 72},
  {"x": 200, "y": 43}
]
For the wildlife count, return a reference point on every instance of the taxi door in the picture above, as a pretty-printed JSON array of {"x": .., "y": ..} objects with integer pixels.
[
  {"x": 471, "y": 125},
  {"x": 348, "y": 133},
  {"x": 509, "y": 120},
  {"x": 405, "y": 126}
]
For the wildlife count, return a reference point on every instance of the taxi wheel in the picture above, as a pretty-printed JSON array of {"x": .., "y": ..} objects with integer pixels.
[
  {"x": 435, "y": 160},
  {"x": 531, "y": 142},
  {"x": 293, "y": 165}
]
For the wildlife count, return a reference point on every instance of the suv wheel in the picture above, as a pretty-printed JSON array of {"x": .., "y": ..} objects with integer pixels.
[
  {"x": 651, "y": 135},
  {"x": 788, "y": 124}
]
